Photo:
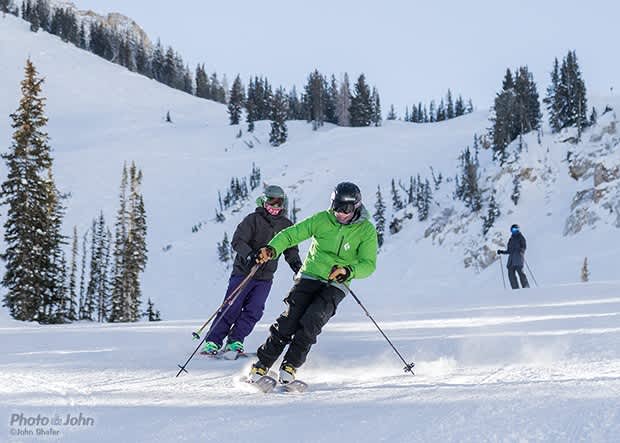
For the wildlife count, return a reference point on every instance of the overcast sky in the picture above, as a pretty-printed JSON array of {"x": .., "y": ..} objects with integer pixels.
[{"x": 411, "y": 50}]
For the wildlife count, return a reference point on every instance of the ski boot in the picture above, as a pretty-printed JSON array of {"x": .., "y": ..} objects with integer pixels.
[
  {"x": 210, "y": 348},
  {"x": 235, "y": 346},
  {"x": 287, "y": 373},
  {"x": 257, "y": 371}
]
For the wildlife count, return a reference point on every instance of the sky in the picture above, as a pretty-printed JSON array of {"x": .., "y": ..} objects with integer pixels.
[{"x": 411, "y": 50}]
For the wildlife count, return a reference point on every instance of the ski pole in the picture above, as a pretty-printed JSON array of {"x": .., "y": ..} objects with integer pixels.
[
  {"x": 501, "y": 267},
  {"x": 228, "y": 301},
  {"x": 531, "y": 273},
  {"x": 408, "y": 366}
]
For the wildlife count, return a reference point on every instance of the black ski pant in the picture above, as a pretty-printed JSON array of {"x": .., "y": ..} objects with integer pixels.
[
  {"x": 512, "y": 276},
  {"x": 310, "y": 304}
]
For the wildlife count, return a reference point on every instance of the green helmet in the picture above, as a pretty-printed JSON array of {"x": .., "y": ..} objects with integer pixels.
[{"x": 273, "y": 193}]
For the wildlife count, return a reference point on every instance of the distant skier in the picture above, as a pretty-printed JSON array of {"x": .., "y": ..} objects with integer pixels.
[
  {"x": 344, "y": 247},
  {"x": 254, "y": 231},
  {"x": 516, "y": 258}
]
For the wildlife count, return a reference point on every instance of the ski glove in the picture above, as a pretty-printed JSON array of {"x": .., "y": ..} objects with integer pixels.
[
  {"x": 296, "y": 266},
  {"x": 264, "y": 254},
  {"x": 340, "y": 273},
  {"x": 501, "y": 251}
]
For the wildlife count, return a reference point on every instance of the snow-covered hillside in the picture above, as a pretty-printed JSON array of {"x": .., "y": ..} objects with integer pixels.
[
  {"x": 492, "y": 365},
  {"x": 101, "y": 115}
]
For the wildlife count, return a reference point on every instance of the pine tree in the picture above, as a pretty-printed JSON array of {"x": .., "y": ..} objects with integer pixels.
[
  {"x": 72, "y": 308},
  {"x": 82, "y": 299},
  {"x": 593, "y": 117},
  {"x": 344, "y": 102},
  {"x": 314, "y": 98},
  {"x": 585, "y": 271},
  {"x": 424, "y": 199},
  {"x": 361, "y": 109},
  {"x": 376, "y": 107},
  {"x": 235, "y": 104},
  {"x": 202, "y": 82},
  {"x": 379, "y": 217},
  {"x": 467, "y": 188},
  {"x": 392, "y": 114},
  {"x": 450, "y": 112},
  {"x": 397, "y": 203},
  {"x": 223, "y": 249},
  {"x": 151, "y": 314},
  {"x": 34, "y": 216},
  {"x": 331, "y": 101},
  {"x": 459, "y": 107},
  {"x": 91, "y": 287},
  {"x": 551, "y": 101},
  {"x": 127, "y": 252},
  {"x": 279, "y": 112},
  {"x": 492, "y": 214},
  {"x": 516, "y": 190}
]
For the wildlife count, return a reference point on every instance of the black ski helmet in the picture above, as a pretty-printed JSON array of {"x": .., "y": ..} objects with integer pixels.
[
  {"x": 515, "y": 228},
  {"x": 346, "y": 197}
]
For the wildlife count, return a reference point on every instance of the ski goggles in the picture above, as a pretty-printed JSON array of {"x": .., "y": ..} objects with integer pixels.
[
  {"x": 344, "y": 207},
  {"x": 275, "y": 202},
  {"x": 514, "y": 230}
]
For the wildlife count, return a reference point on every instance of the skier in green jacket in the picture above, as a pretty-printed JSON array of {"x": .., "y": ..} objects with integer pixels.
[{"x": 344, "y": 247}]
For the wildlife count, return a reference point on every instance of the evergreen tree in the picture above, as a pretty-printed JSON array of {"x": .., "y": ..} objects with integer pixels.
[
  {"x": 585, "y": 271},
  {"x": 361, "y": 109},
  {"x": 331, "y": 101},
  {"x": 397, "y": 203},
  {"x": 379, "y": 216},
  {"x": 550, "y": 99},
  {"x": 432, "y": 117},
  {"x": 202, "y": 83},
  {"x": 82, "y": 300},
  {"x": 279, "y": 112},
  {"x": 450, "y": 111},
  {"x": 516, "y": 190},
  {"x": 91, "y": 287},
  {"x": 459, "y": 107},
  {"x": 151, "y": 314},
  {"x": 294, "y": 106},
  {"x": 492, "y": 214},
  {"x": 34, "y": 216},
  {"x": 593, "y": 117},
  {"x": 344, "y": 102},
  {"x": 467, "y": 188},
  {"x": 424, "y": 199},
  {"x": 315, "y": 99},
  {"x": 392, "y": 114},
  {"x": 441, "y": 111},
  {"x": 235, "y": 104},
  {"x": 250, "y": 106},
  {"x": 527, "y": 104},
  {"x": 72, "y": 311},
  {"x": 376, "y": 107},
  {"x": 130, "y": 251},
  {"x": 223, "y": 250}
]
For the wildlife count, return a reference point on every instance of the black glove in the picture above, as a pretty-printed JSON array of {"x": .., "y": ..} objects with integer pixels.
[
  {"x": 296, "y": 266},
  {"x": 340, "y": 273},
  {"x": 501, "y": 251}
]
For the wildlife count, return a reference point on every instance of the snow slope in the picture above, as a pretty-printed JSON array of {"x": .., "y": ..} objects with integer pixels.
[
  {"x": 492, "y": 365},
  {"x": 541, "y": 366}
]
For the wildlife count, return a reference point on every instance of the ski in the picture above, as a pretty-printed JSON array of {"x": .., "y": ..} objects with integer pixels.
[
  {"x": 295, "y": 386},
  {"x": 229, "y": 355},
  {"x": 265, "y": 384}
]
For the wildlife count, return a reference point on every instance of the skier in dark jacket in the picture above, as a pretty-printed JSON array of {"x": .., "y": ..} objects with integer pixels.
[
  {"x": 516, "y": 258},
  {"x": 344, "y": 247},
  {"x": 256, "y": 230}
]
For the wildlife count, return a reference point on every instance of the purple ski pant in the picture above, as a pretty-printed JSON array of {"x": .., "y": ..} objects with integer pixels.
[{"x": 237, "y": 322}]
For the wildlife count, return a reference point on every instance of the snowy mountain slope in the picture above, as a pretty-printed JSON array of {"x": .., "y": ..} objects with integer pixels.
[
  {"x": 492, "y": 365},
  {"x": 101, "y": 115}
]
